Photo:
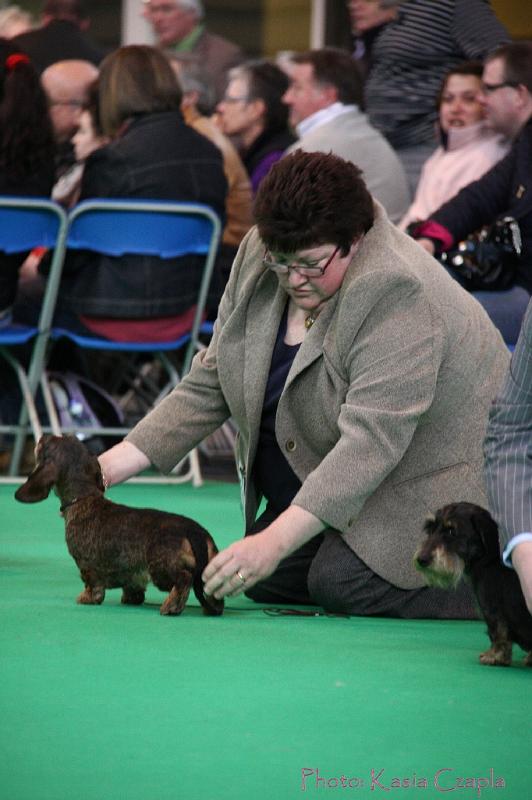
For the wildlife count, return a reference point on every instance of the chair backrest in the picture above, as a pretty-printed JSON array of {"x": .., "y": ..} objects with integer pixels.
[
  {"x": 28, "y": 222},
  {"x": 149, "y": 227}
]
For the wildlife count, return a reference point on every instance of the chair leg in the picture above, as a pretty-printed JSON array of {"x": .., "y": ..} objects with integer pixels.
[{"x": 28, "y": 412}]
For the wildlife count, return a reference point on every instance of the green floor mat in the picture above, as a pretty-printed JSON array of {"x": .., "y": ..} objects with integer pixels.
[{"x": 119, "y": 703}]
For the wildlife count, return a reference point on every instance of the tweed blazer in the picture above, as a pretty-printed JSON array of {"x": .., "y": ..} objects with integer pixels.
[{"x": 385, "y": 406}]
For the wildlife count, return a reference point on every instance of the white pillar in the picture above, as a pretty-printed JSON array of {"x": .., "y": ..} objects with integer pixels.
[
  {"x": 135, "y": 29},
  {"x": 317, "y": 24}
]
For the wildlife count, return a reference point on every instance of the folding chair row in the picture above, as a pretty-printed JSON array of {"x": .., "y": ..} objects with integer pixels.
[{"x": 110, "y": 227}]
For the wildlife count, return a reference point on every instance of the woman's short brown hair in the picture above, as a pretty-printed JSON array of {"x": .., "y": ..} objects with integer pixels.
[
  {"x": 309, "y": 199},
  {"x": 136, "y": 79}
]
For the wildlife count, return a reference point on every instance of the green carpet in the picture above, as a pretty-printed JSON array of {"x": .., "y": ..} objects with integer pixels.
[{"x": 119, "y": 703}]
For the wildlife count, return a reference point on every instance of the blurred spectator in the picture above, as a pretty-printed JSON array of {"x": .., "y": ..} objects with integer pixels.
[
  {"x": 153, "y": 155},
  {"x": 253, "y": 112},
  {"x": 61, "y": 36},
  {"x": 26, "y": 149},
  {"x": 410, "y": 57},
  {"x": 368, "y": 18},
  {"x": 179, "y": 28},
  {"x": 66, "y": 84},
  {"x": 13, "y": 20},
  {"x": 88, "y": 138},
  {"x": 325, "y": 100},
  {"x": 197, "y": 99},
  {"x": 469, "y": 147},
  {"x": 504, "y": 190}
]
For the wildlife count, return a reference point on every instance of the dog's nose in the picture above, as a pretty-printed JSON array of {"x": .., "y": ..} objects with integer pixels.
[{"x": 422, "y": 561}]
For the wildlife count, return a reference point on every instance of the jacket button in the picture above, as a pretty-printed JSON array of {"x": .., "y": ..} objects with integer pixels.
[{"x": 290, "y": 445}]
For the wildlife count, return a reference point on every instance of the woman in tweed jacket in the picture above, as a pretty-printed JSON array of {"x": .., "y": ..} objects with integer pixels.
[{"x": 359, "y": 375}]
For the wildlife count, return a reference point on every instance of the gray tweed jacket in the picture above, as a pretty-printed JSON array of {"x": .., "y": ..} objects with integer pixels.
[{"x": 385, "y": 407}]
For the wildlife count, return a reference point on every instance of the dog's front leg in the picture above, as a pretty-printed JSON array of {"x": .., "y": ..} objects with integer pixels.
[{"x": 93, "y": 594}]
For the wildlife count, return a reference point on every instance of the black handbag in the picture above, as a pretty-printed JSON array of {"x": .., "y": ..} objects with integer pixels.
[{"x": 487, "y": 260}]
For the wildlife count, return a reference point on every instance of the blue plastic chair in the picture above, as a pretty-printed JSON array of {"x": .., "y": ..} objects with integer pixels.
[
  {"x": 25, "y": 223},
  {"x": 148, "y": 227}
]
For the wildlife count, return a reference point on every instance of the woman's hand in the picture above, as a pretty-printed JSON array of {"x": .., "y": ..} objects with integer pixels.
[
  {"x": 241, "y": 565},
  {"x": 245, "y": 563},
  {"x": 427, "y": 244}
]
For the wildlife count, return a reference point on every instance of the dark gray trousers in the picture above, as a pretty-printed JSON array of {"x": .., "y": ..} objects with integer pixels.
[{"x": 326, "y": 572}]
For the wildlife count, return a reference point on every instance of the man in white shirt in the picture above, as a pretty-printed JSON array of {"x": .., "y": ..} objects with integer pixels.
[{"x": 325, "y": 100}]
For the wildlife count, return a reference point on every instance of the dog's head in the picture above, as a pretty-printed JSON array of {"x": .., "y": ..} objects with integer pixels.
[
  {"x": 459, "y": 535},
  {"x": 63, "y": 462}
]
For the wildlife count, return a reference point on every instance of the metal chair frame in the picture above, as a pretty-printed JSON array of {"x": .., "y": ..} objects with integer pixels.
[
  {"x": 25, "y": 223},
  {"x": 85, "y": 231}
]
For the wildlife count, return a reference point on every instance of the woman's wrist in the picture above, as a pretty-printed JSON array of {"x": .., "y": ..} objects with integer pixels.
[{"x": 121, "y": 462}]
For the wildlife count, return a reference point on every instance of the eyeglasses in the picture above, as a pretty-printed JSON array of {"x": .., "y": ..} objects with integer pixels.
[
  {"x": 308, "y": 270},
  {"x": 489, "y": 88},
  {"x": 227, "y": 99},
  {"x": 69, "y": 103}
]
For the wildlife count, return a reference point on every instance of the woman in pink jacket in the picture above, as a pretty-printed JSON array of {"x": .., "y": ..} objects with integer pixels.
[{"x": 468, "y": 147}]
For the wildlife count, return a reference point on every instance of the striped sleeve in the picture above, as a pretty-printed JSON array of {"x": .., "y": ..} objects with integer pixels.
[{"x": 508, "y": 444}]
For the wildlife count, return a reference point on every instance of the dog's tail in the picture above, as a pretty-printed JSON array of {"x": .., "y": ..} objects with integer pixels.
[{"x": 204, "y": 549}]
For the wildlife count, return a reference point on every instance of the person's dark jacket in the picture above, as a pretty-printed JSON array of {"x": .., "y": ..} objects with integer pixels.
[
  {"x": 38, "y": 184},
  {"x": 506, "y": 190},
  {"x": 60, "y": 39},
  {"x": 158, "y": 157}
]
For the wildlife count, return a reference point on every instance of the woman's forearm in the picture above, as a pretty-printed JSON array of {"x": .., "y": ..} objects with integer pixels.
[{"x": 121, "y": 462}]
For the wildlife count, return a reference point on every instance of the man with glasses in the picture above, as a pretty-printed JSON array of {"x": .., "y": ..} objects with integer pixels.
[
  {"x": 506, "y": 190},
  {"x": 179, "y": 28},
  {"x": 66, "y": 84}
]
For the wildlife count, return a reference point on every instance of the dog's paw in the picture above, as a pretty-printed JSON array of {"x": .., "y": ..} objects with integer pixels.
[
  {"x": 91, "y": 597},
  {"x": 496, "y": 657}
]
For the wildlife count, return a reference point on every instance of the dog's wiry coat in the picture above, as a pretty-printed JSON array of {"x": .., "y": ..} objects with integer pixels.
[
  {"x": 462, "y": 538},
  {"x": 115, "y": 545}
]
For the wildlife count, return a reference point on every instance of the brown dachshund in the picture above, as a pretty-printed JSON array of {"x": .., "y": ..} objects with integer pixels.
[
  {"x": 463, "y": 538},
  {"x": 114, "y": 545}
]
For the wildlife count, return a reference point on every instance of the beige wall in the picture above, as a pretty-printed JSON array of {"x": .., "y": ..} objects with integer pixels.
[
  {"x": 286, "y": 25},
  {"x": 516, "y": 15}
]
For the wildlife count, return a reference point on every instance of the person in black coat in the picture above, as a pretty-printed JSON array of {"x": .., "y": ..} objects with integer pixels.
[
  {"x": 154, "y": 155},
  {"x": 26, "y": 150},
  {"x": 61, "y": 36}
]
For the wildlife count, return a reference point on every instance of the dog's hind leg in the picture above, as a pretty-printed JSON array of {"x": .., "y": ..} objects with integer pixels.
[
  {"x": 177, "y": 599},
  {"x": 133, "y": 595},
  {"x": 528, "y": 659},
  {"x": 500, "y": 652}
]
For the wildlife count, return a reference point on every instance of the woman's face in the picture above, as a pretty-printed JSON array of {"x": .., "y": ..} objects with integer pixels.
[
  {"x": 236, "y": 114},
  {"x": 311, "y": 293},
  {"x": 85, "y": 140},
  {"x": 460, "y": 105}
]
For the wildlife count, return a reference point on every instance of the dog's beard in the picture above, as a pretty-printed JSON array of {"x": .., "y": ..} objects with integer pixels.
[{"x": 444, "y": 571}]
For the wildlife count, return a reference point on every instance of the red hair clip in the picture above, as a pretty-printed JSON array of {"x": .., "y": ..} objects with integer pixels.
[{"x": 14, "y": 59}]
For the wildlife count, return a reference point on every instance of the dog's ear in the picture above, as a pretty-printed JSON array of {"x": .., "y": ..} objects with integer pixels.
[
  {"x": 38, "y": 484},
  {"x": 487, "y": 530},
  {"x": 431, "y": 523}
]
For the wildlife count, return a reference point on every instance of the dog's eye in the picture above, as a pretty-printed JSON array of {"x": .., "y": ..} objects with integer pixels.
[{"x": 450, "y": 529}]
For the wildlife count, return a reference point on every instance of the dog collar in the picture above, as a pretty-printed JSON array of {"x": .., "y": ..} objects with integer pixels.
[{"x": 67, "y": 505}]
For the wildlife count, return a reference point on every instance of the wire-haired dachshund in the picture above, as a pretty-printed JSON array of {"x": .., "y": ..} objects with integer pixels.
[
  {"x": 114, "y": 545},
  {"x": 463, "y": 538}
]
